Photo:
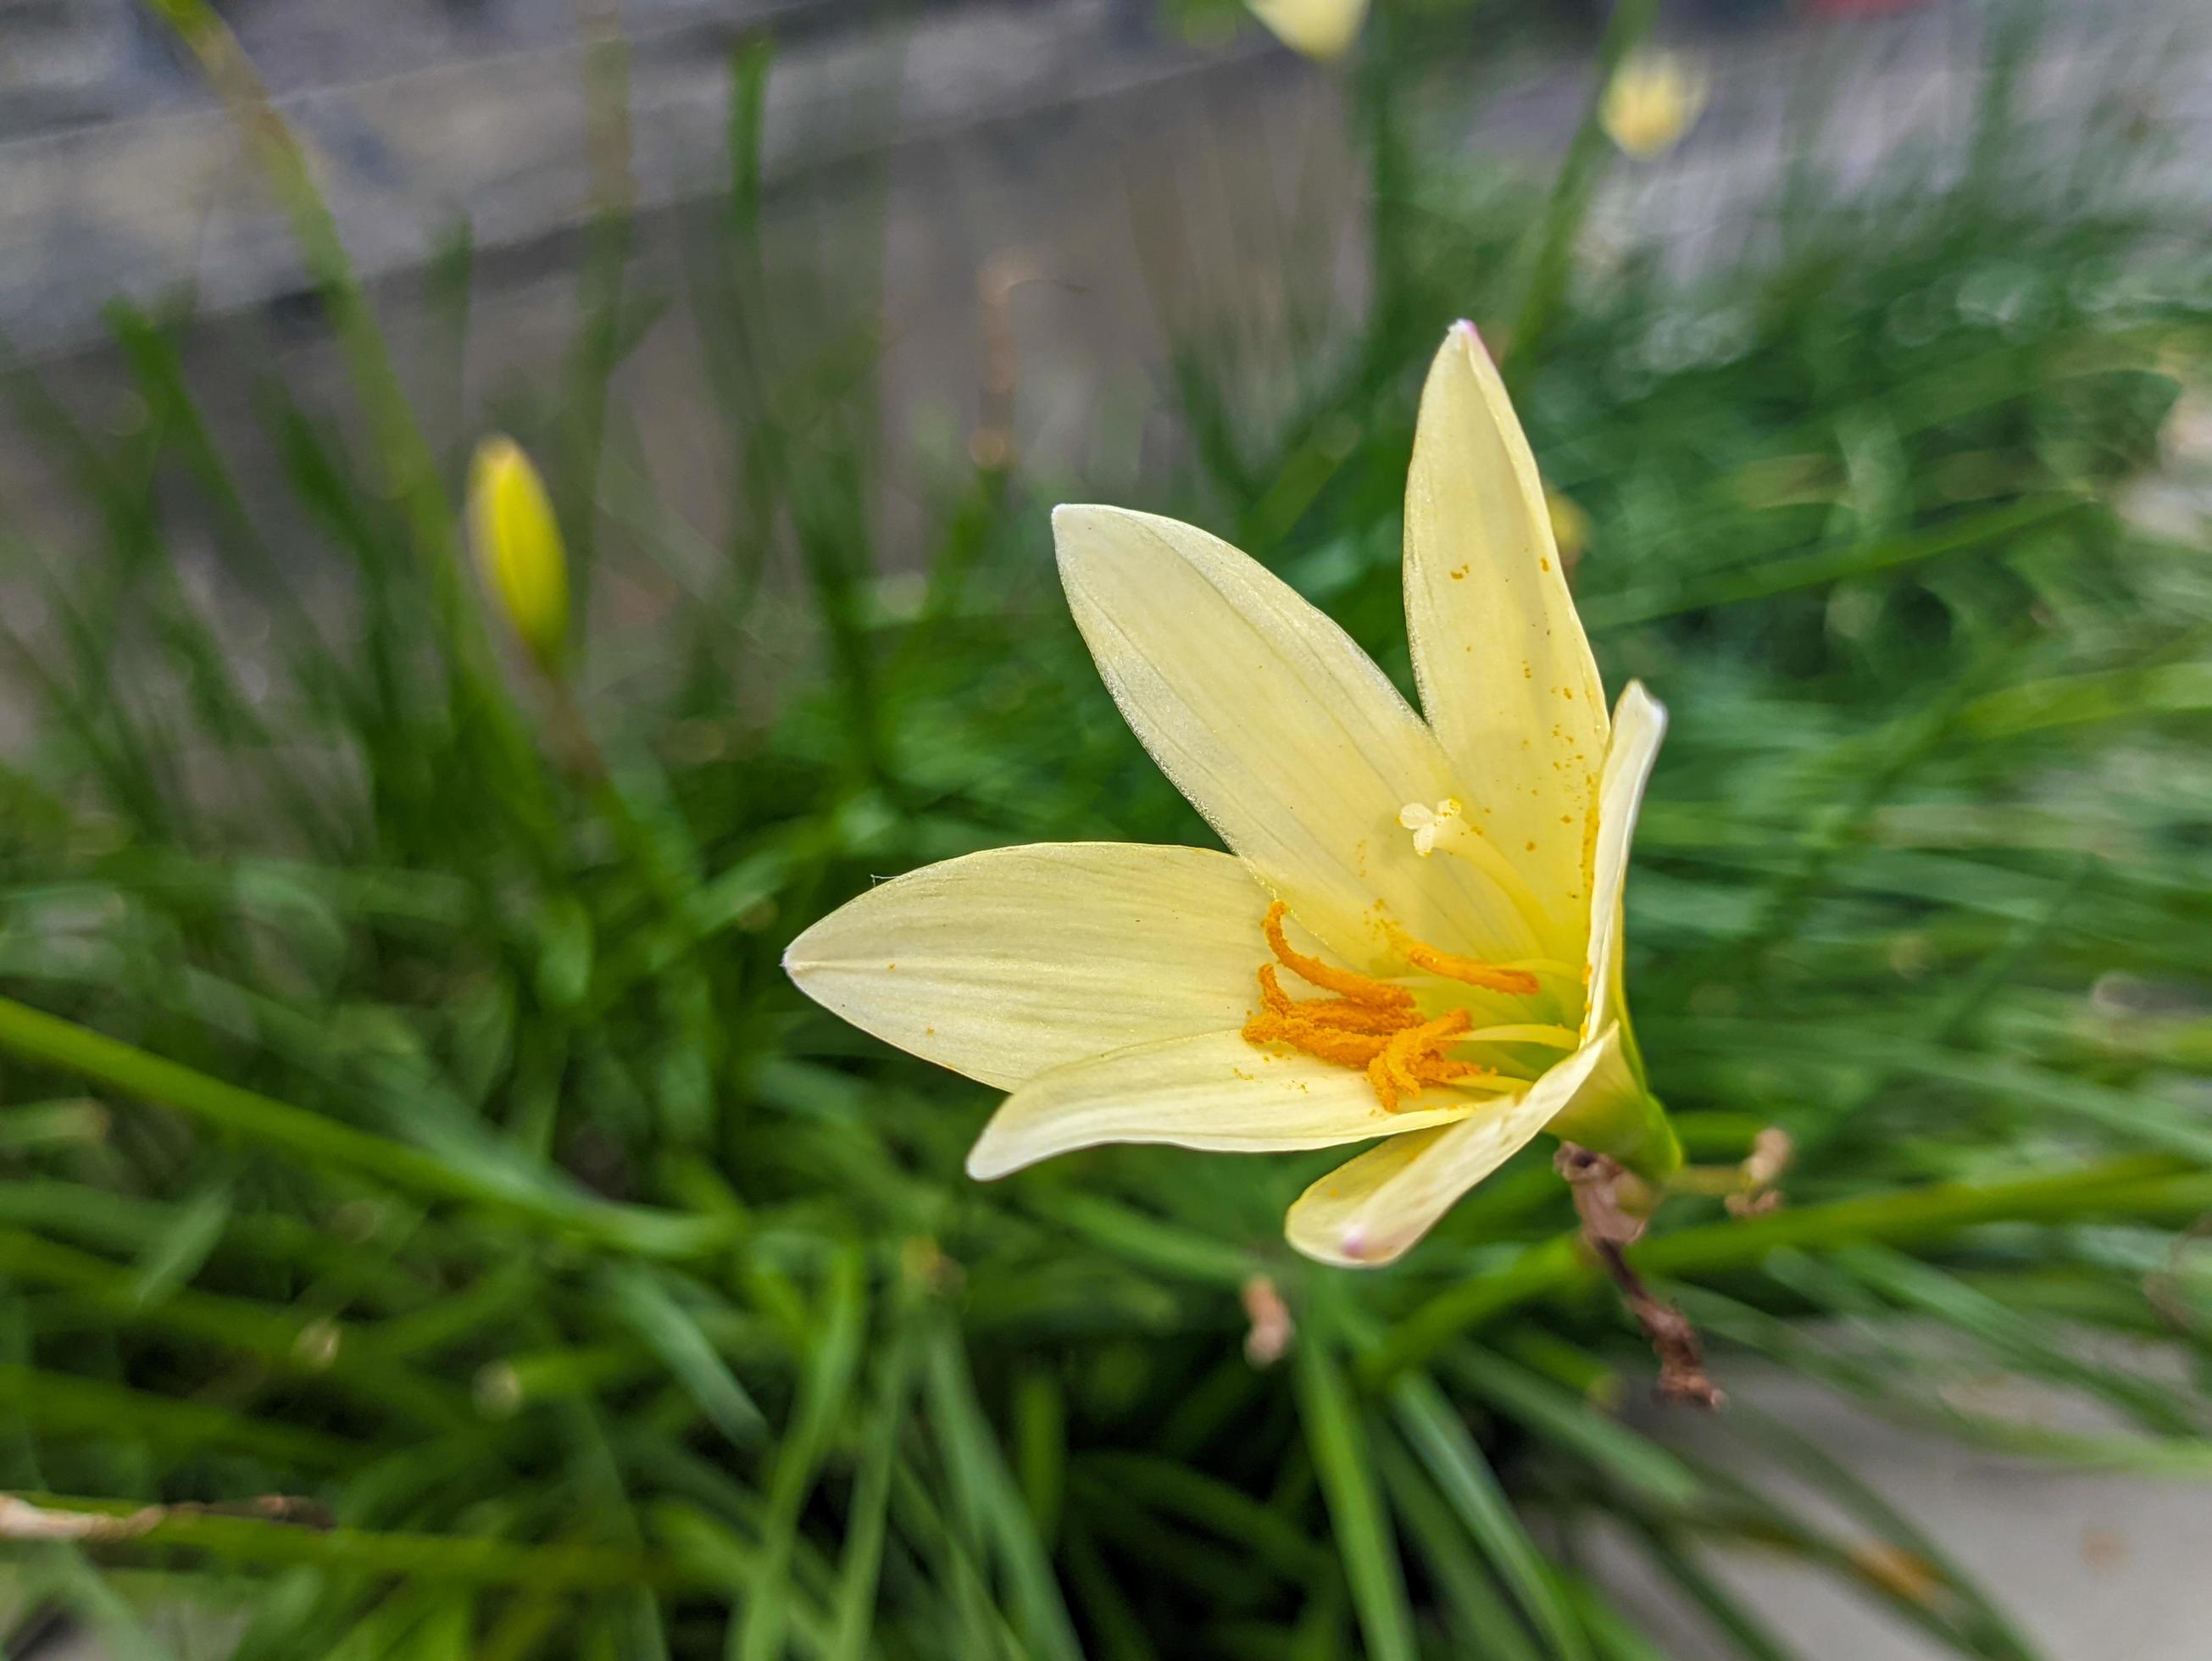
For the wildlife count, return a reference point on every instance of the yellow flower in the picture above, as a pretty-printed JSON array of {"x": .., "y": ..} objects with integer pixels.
[
  {"x": 518, "y": 548},
  {"x": 1652, "y": 100},
  {"x": 1322, "y": 30},
  {"x": 1417, "y": 937}
]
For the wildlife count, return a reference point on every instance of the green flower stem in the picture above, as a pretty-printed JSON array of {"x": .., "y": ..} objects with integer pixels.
[
  {"x": 318, "y": 1142},
  {"x": 1552, "y": 266},
  {"x": 2148, "y": 1185},
  {"x": 1630, "y": 1130},
  {"x": 471, "y": 1561},
  {"x": 411, "y": 467}
]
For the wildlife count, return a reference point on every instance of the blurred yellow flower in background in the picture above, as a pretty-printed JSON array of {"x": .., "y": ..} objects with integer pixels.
[
  {"x": 1322, "y": 29},
  {"x": 1652, "y": 100},
  {"x": 1570, "y": 526},
  {"x": 518, "y": 548},
  {"x": 1455, "y": 882}
]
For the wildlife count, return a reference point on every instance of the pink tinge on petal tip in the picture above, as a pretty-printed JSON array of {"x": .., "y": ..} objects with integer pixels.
[{"x": 1465, "y": 326}]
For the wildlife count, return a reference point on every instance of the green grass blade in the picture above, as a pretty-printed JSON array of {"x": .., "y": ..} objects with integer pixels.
[
  {"x": 1456, "y": 1464},
  {"x": 1338, "y": 1442}
]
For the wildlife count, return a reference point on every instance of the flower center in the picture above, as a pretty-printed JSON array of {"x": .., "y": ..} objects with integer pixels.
[{"x": 1378, "y": 1026}]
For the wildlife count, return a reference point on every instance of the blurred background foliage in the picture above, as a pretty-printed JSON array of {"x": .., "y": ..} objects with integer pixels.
[{"x": 418, "y": 1181}]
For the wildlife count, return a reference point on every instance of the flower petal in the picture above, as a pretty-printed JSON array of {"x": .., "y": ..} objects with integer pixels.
[
  {"x": 1370, "y": 1210},
  {"x": 1639, "y": 724},
  {"x": 1003, "y": 964},
  {"x": 1296, "y": 749},
  {"x": 1212, "y": 1091},
  {"x": 1505, "y": 670}
]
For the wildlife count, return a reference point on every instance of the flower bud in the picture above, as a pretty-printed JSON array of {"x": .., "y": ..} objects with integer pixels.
[
  {"x": 519, "y": 551},
  {"x": 1322, "y": 30},
  {"x": 1652, "y": 100}
]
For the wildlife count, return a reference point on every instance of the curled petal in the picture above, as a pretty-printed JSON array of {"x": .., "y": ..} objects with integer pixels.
[
  {"x": 1638, "y": 725},
  {"x": 1213, "y": 1091},
  {"x": 1371, "y": 1210}
]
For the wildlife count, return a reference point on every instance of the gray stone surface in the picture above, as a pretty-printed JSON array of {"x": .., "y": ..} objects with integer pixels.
[
  {"x": 493, "y": 132},
  {"x": 2091, "y": 1565}
]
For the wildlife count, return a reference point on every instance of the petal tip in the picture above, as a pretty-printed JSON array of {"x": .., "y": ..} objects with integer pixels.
[
  {"x": 1078, "y": 529},
  {"x": 988, "y": 1160},
  {"x": 1349, "y": 1248},
  {"x": 1473, "y": 348},
  {"x": 796, "y": 965},
  {"x": 814, "y": 947},
  {"x": 1072, "y": 518},
  {"x": 1636, "y": 697}
]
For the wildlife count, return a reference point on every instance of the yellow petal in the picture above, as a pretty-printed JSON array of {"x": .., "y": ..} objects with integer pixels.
[
  {"x": 1639, "y": 724},
  {"x": 1370, "y": 1210},
  {"x": 1212, "y": 1091},
  {"x": 1504, "y": 671},
  {"x": 1322, "y": 29},
  {"x": 1296, "y": 747},
  {"x": 1003, "y": 964}
]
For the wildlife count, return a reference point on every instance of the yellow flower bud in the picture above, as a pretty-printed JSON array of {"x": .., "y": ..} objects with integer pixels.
[
  {"x": 1322, "y": 30},
  {"x": 518, "y": 549},
  {"x": 1652, "y": 100}
]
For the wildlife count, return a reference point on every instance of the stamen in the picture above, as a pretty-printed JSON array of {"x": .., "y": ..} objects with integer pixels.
[
  {"x": 1338, "y": 1013},
  {"x": 1413, "y": 1058},
  {"x": 1490, "y": 975},
  {"x": 1344, "y": 1048},
  {"x": 1375, "y": 1026},
  {"x": 1345, "y": 983}
]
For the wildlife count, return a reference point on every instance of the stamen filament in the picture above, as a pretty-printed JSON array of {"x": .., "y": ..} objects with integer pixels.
[
  {"x": 1554, "y": 1038},
  {"x": 1558, "y": 968}
]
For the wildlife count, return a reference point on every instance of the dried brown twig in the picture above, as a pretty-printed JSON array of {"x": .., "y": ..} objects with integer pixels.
[{"x": 1608, "y": 1226}]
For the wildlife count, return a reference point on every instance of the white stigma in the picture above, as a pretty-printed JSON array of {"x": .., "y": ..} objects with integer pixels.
[{"x": 1427, "y": 823}]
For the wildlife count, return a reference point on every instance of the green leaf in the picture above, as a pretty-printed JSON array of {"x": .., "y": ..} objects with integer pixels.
[
  {"x": 668, "y": 1329},
  {"x": 1338, "y": 1442},
  {"x": 1456, "y": 1464}
]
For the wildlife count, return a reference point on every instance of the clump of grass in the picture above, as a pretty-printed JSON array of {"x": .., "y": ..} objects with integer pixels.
[{"x": 405, "y": 1120}]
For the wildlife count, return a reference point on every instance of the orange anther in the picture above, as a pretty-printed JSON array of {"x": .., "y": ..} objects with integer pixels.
[
  {"x": 1344, "y": 1048},
  {"x": 1345, "y": 983},
  {"x": 1372, "y": 1024},
  {"x": 1467, "y": 970}
]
